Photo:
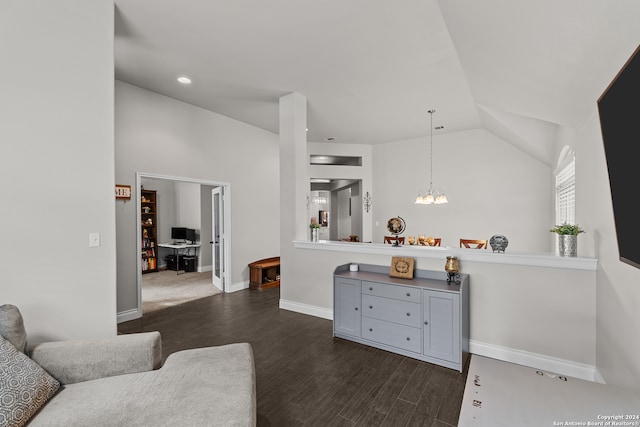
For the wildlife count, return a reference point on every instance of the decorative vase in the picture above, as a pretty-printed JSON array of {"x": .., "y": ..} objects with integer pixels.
[
  {"x": 314, "y": 234},
  {"x": 452, "y": 266},
  {"x": 568, "y": 245}
]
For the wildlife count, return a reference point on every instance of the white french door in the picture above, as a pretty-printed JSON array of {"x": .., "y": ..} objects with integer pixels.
[{"x": 218, "y": 236}]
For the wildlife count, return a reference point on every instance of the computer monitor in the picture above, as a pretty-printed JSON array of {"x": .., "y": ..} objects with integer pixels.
[{"x": 183, "y": 233}]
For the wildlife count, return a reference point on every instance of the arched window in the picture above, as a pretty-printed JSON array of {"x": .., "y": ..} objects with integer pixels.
[{"x": 565, "y": 174}]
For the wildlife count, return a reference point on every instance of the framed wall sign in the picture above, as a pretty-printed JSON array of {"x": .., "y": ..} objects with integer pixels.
[{"x": 123, "y": 191}]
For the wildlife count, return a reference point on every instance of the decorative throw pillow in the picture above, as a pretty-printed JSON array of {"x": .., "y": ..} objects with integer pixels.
[
  {"x": 12, "y": 326},
  {"x": 24, "y": 386}
]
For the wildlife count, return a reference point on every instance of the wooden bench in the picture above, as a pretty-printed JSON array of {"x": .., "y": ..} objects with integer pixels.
[{"x": 264, "y": 273}]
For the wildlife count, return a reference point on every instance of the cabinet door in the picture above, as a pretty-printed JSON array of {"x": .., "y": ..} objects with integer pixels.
[
  {"x": 346, "y": 308},
  {"x": 441, "y": 325}
]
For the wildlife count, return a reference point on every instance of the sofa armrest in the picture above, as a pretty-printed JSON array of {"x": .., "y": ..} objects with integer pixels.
[{"x": 76, "y": 361}]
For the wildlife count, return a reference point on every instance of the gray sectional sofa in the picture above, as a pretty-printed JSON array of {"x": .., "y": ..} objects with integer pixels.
[{"x": 119, "y": 381}]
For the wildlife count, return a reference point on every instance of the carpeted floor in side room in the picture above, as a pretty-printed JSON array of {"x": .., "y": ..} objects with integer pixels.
[{"x": 166, "y": 288}]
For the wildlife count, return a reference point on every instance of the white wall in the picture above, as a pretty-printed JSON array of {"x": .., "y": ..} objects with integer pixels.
[
  {"x": 188, "y": 205},
  {"x": 56, "y": 132},
  {"x": 492, "y": 187},
  {"x": 155, "y": 134},
  {"x": 618, "y": 284}
]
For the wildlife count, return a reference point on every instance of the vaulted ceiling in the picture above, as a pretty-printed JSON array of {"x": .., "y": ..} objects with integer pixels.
[{"x": 370, "y": 69}]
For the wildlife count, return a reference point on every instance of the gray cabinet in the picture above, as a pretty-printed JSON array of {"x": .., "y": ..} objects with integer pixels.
[
  {"x": 346, "y": 307},
  {"x": 425, "y": 318}
]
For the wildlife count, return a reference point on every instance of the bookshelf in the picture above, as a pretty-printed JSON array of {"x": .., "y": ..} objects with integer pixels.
[{"x": 149, "y": 226}]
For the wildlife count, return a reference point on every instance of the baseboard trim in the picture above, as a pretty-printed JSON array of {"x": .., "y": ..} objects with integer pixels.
[
  {"x": 537, "y": 361},
  {"x": 205, "y": 268},
  {"x": 235, "y": 287},
  {"x": 312, "y": 310},
  {"x": 125, "y": 316}
]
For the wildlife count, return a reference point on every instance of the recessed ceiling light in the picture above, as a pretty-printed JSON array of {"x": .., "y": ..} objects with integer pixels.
[{"x": 184, "y": 80}]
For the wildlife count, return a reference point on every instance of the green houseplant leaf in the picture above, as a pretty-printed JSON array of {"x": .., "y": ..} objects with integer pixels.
[{"x": 567, "y": 229}]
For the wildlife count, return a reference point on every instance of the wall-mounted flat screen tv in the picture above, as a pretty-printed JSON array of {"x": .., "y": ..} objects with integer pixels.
[{"x": 619, "y": 110}]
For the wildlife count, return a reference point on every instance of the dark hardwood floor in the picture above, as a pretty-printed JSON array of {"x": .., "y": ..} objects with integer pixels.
[{"x": 305, "y": 376}]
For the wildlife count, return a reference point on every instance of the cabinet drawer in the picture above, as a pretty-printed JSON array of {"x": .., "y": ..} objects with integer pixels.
[
  {"x": 392, "y": 310},
  {"x": 392, "y": 334},
  {"x": 403, "y": 293},
  {"x": 347, "y": 281}
]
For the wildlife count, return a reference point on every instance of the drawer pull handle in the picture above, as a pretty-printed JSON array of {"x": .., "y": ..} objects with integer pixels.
[
  {"x": 356, "y": 308},
  {"x": 370, "y": 329},
  {"x": 408, "y": 339},
  {"x": 426, "y": 323},
  {"x": 371, "y": 307},
  {"x": 408, "y": 294},
  {"x": 370, "y": 288},
  {"x": 408, "y": 314}
]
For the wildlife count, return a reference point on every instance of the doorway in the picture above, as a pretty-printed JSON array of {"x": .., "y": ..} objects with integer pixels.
[
  {"x": 336, "y": 204},
  {"x": 188, "y": 202}
]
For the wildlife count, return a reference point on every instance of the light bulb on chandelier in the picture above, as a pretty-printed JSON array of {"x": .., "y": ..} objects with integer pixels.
[{"x": 431, "y": 196}]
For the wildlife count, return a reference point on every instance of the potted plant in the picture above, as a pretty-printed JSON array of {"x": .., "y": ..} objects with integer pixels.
[
  {"x": 315, "y": 228},
  {"x": 567, "y": 238}
]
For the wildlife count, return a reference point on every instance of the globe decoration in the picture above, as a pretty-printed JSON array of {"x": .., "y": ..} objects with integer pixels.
[{"x": 396, "y": 226}]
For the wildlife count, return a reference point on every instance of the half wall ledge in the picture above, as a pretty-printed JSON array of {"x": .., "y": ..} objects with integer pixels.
[{"x": 435, "y": 252}]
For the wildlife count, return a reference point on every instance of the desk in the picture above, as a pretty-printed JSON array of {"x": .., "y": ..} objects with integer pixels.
[{"x": 177, "y": 248}]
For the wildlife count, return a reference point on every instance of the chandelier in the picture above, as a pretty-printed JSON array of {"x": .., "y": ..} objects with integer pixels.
[{"x": 431, "y": 196}]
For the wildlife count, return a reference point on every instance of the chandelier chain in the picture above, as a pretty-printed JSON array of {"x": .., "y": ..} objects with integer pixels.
[{"x": 431, "y": 150}]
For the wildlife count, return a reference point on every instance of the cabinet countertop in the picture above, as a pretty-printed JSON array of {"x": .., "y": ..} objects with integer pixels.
[{"x": 435, "y": 284}]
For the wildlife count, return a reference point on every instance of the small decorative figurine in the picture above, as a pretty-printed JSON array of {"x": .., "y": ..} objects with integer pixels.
[{"x": 498, "y": 243}]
